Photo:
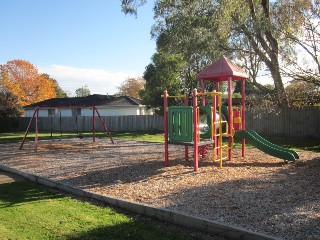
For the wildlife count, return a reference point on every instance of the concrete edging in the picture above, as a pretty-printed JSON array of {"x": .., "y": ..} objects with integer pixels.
[{"x": 174, "y": 217}]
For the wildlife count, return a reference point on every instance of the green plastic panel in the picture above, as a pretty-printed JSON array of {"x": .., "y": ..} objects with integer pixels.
[
  {"x": 225, "y": 112},
  {"x": 180, "y": 124},
  {"x": 206, "y": 117}
]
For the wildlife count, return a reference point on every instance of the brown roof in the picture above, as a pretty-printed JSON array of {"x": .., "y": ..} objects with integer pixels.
[{"x": 88, "y": 101}]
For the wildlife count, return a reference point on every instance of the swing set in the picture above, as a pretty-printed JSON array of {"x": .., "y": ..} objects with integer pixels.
[
  {"x": 35, "y": 117},
  {"x": 56, "y": 126}
]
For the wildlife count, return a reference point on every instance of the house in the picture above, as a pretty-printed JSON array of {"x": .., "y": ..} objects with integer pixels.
[{"x": 107, "y": 105}]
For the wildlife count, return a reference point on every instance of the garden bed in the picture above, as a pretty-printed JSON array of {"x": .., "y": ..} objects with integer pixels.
[{"x": 260, "y": 193}]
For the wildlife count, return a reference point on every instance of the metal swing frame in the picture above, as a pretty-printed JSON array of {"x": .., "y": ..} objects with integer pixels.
[{"x": 36, "y": 117}]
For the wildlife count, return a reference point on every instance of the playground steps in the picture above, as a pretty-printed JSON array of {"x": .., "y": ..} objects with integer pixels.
[{"x": 264, "y": 145}]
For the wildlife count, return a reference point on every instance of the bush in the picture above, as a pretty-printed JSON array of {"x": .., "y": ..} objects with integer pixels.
[{"x": 9, "y": 124}]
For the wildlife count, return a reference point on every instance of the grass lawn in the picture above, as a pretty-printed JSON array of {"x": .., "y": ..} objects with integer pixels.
[
  {"x": 30, "y": 211},
  {"x": 309, "y": 144},
  {"x": 151, "y": 136}
]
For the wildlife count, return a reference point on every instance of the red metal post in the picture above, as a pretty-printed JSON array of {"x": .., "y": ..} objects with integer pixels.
[
  {"x": 103, "y": 124},
  {"x": 27, "y": 131},
  {"x": 203, "y": 100},
  {"x": 230, "y": 113},
  {"x": 203, "y": 103},
  {"x": 217, "y": 86},
  {"x": 165, "y": 125},
  {"x": 186, "y": 148},
  {"x": 214, "y": 120},
  {"x": 215, "y": 109},
  {"x": 36, "y": 137},
  {"x": 195, "y": 130},
  {"x": 243, "y": 114},
  {"x": 93, "y": 125}
]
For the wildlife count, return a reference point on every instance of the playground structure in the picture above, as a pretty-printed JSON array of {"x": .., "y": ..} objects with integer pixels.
[
  {"x": 35, "y": 117},
  {"x": 185, "y": 125}
]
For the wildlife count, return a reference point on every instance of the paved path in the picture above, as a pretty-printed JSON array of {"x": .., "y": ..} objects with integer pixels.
[{"x": 7, "y": 177}]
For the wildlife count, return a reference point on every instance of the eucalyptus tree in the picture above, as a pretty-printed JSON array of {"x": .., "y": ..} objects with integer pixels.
[
  {"x": 181, "y": 27},
  {"x": 303, "y": 34},
  {"x": 226, "y": 26},
  {"x": 162, "y": 74},
  {"x": 250, "y": 29},
  {"x": 131, "y": 6}
]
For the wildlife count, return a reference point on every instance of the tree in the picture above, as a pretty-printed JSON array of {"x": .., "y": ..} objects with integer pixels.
[
  {"x": 9, "y": 111},
  {"x": 248, "y": 27},
  {"x": 252, "y": 64},
  {"x": 131, "y": 6},
  {"x": 22, "y": 80},
  {"x": 179, "y": 29},
  {"x": 230, "y": 26},
  {"x": 60, "y": 93},
  {"x": 132, "y": 87},
  {"x": 305, "y": 39},
  {"x": 82, "y": 91},
  {"x": 162, "y": 74},
  {"x": 302, "y": 93},
  {"x": 8, "y": 104}
]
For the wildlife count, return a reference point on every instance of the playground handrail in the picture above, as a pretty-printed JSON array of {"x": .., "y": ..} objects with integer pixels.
[
  {"x": 209, "y": 94},
  {"x": 177, "y": 96}
]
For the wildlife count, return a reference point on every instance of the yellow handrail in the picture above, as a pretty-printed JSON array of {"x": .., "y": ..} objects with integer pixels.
[
  {"x": 177, "y": 96},
  {"x": 210, "y": 94}
]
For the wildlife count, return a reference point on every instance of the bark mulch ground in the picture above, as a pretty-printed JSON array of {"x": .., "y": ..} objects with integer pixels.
[{"x": 260, "y": 193}]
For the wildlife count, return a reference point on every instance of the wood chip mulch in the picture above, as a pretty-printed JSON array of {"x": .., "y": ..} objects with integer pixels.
[{"x": 260, "y": 193}]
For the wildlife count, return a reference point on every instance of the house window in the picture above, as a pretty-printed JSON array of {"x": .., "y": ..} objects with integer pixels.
[
  {"x": 51, "y": 112},
  {"x": 76, "y": 112}
]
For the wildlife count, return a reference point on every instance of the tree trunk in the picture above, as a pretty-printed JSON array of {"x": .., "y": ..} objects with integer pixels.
[
  {"x": 266, "y": 46},
  {"x": 281, "y": 95}
]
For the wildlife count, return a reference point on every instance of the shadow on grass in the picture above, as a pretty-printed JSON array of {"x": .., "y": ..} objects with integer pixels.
[
  {"x": 298, "y": 144},
  {"x": 305, "y": 144},
  {"x": 75, "y": 221},
  {"x": 136, "y": 229},
  {"x": 22, "y": 192}
]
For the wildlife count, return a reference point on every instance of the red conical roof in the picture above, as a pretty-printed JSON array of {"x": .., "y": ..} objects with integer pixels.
[{"x": 221, "y": 70}]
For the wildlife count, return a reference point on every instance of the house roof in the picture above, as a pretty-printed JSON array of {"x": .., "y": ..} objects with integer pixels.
[
  {"x": 88, "y": 101},
  {"x": 221, "y": 70}
]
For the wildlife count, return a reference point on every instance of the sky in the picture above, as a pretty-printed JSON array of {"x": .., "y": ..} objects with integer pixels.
[{"x": 78, "y": 42}]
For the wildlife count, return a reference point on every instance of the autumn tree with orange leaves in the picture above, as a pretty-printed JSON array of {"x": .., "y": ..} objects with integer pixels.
[
  {"x": 22, "y": 79},
  {"x": 132, "y": 87}
]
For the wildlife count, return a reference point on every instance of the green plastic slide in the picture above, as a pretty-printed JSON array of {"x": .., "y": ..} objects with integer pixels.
[{"x": 264, "y": 145}]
